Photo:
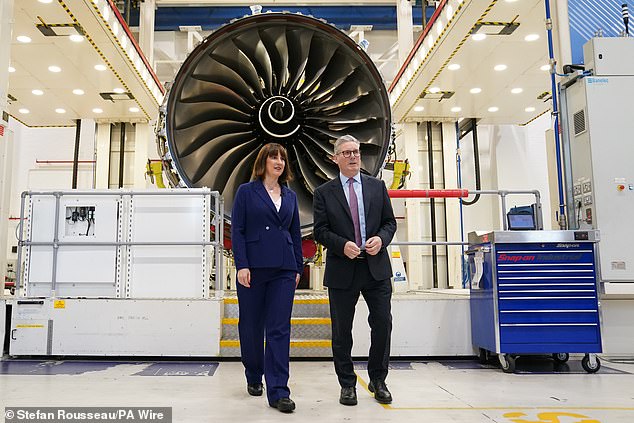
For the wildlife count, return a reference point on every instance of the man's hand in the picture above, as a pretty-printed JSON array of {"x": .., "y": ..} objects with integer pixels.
[
  {"x": 297, "y": 280},
  {"x": 244, "y": 277},
  {"x": 373, "y": 245},
  {"x": 351, "y": 250}
]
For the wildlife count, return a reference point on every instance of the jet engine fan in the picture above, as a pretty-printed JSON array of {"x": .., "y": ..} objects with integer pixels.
[{"x": 272, "y": 77}]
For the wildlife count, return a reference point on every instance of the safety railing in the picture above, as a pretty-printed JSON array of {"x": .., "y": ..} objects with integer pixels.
[
  {"x": 463, "y": 193},
  {"x": 216, "y": 220}
]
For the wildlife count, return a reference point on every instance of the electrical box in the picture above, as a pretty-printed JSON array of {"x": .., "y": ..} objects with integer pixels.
[
  {"x": 609, "y": 56},
  {"x": 596, "y": 125},
  {"x": 80, "y": 221}
]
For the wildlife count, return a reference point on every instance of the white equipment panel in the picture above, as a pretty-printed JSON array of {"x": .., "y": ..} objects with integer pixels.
[
  {"x": 82, "y": 270},
  {"x": 610, "y": 56},
  {"x": 600, "y": 180},
  {"x": 180, "y": 271},
  {"x": 30, "y": 328},
  {"x": 124, "y": 327},
  {"x": 118, "y": 244}
]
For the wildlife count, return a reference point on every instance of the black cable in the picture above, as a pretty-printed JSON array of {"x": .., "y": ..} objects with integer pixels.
[
  {"x": 432, "y": 204},
  {"x": 476, "y": 160},
  {"x": 573, "y": 67}
]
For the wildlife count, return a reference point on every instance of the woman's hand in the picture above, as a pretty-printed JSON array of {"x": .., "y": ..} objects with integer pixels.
[
  {"x": 244, "y": 277},
  {"x": 297, "y": 280}
]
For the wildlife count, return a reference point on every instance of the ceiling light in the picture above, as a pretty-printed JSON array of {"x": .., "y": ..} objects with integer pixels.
[
  {"x": 453, "y": 66},
  {"x": 60, "y": 111},
  {"x": 78, "y": 91},
  {"x": 45, "y": 1},
  {"x": 97, "y": 110},
  {"x": 529, "y": 109},
  {"x": 134, "y": 109},
  {"x": 517, "y": 90},
  {"x": 493, "y": 109},
  {"x": 11, "y": 69},
  {"x": 478, "y": 37},
  {"x": 434, "y": 90},
  {"x": 419, "y": 108},
  {"x": 76, "y": 38},
  {"x": 545, "y": 68},
  {"x": 456, "y": 109},
  {"x": 475, "y": 90},
  {"x": 37, "y": 92},
  {"x": 54, "y": 69},
  {"x": 118, "y": 90},
  {"x": 531, "y": 37},
  {"x": 23, "y": 39},
  {"x": 24, "y": 111},
  {"x": 500, "y": 68},
  {"x": 101, "y": 68}
]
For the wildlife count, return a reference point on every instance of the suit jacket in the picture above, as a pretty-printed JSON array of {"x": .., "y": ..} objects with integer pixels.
[
  {"x": 262, "y": 237},
  {"x": 334, "y": 227}
]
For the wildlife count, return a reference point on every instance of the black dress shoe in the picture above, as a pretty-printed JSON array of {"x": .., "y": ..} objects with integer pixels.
[
  {"x": 255, "y": 389},
  {"x": 381, "y": 394},
  {"x": 285, "y": 405},
  {"x": 348, "y": 396}
]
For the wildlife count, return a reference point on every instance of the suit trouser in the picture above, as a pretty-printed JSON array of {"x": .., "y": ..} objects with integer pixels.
[
  {"x": 377, "y": 295},
  {"x": 266, "y": 308}
]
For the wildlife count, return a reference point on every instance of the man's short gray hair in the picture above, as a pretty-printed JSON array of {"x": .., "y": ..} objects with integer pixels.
[{"x": 344, "y": 139}]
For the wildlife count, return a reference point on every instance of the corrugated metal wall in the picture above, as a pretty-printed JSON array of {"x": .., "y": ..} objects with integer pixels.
[{"x": 589, "y": 16}]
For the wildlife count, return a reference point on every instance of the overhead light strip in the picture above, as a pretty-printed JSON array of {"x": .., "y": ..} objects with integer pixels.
[
  {"x": 425, "y": 47},
  {"x": 420, "y": 41},
  {"x": 100, "y": 53},
  {"x": 459, "y": 46},
  {"x": 121, "y": 33},
  {"x": 395, "y": 98}
]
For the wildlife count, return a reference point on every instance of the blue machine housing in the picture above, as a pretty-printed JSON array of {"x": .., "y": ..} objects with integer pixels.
[{"x": 534, "y": 292}]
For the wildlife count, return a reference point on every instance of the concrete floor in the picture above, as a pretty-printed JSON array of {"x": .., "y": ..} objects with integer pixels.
[{"x": 424, "y": 391}]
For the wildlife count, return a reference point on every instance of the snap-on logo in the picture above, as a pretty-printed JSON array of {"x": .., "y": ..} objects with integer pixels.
[{"x": 515, "y": 259}]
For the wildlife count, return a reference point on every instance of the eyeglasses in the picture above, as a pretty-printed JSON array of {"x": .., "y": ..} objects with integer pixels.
[{"x": 349, "y": 153}]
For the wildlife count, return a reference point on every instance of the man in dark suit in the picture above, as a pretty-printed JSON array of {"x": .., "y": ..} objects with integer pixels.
[{"x": 354, "y": 220}]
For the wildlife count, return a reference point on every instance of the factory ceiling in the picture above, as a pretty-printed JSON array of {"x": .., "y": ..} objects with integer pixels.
[
  {"x": 74, "y": 59},
  {"x": 485, "y": 59}
]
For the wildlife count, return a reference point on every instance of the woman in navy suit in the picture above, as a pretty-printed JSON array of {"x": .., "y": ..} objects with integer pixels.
[{"x": 266, "y": 243}]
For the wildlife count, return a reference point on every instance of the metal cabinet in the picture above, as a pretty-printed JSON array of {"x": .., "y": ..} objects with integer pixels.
[{"x": 535, "y": 292}]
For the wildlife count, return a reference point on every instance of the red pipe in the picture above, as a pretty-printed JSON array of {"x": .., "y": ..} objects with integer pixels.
[
  {"x": 428, "y": 193},
  {"x": 420, "y": 40},
  {"x": 125, "y": 27}
]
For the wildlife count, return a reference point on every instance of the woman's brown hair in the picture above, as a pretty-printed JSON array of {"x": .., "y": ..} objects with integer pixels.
[{"x": 271, "y": 150}]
